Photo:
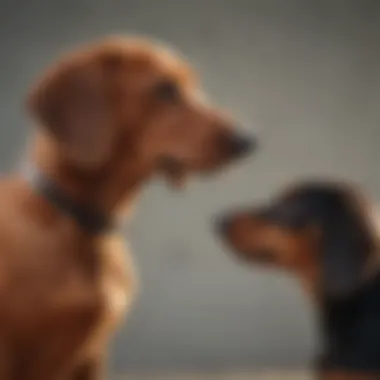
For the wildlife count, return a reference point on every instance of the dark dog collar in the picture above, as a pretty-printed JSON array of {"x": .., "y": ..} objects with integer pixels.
[{"x": 86, "y": 217}]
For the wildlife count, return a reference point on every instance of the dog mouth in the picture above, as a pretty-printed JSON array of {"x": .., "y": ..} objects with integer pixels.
[
  {"x": 260, "y": 256},
  {"x": 174, "y": 170},
  {"x": 263, "y": 256}
]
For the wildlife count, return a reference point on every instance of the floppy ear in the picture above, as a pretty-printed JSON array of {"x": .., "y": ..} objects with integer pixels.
[
  {"x": 71, "y": 103},
  {"x": 347, "y": 243}
]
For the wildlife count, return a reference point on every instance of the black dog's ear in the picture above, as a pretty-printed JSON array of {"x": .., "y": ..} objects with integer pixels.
[{"x": 347, "y": 243}]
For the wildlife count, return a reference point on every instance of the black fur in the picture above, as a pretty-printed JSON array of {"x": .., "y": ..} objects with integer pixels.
[{"x": 351, "y": 328}]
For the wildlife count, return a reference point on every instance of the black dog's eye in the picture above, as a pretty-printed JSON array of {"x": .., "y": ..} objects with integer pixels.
[{"x": 168, "y": 91}]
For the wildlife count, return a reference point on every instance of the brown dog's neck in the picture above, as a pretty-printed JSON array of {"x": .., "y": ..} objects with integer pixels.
[{"x": 110, "y": 189}]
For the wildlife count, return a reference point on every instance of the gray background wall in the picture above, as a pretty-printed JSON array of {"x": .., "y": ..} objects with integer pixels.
[{"x": 302, "y": 74}]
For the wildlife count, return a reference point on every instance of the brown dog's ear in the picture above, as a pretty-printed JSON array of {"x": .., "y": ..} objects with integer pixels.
[
  {"x": 347, "y": 243},
  {"x": 71, "y": 103}
]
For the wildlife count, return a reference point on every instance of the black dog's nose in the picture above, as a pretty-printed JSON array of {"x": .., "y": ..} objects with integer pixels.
[
  {"x": 242, "y": 145},
  {"x": 222, "y": 224}
]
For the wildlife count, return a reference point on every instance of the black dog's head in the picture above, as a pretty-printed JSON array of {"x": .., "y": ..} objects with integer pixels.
[{"x": 321, "y": 231}]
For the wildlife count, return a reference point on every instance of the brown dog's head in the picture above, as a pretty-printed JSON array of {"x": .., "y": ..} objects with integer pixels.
[
  {"x": 320, "y": 231},
  {"x": 133, "y": 103}
]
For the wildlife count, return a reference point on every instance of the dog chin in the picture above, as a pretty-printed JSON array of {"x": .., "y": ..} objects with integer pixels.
[
  {"x": 177, "y": 182},
  {"x": 217, "y": 167}
]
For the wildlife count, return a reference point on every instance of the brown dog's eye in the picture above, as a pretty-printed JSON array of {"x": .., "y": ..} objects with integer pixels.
[{"x": 168, "y": 91}]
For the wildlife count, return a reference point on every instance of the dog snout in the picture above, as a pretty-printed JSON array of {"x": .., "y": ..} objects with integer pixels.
[
  {"x": 223, "y": 224},
  {"x": 242, "y": 145},
  {"x": 239, "y": 145}
]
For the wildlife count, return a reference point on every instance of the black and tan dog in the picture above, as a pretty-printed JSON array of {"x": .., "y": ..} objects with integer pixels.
[{"x": 324, "y": 233}]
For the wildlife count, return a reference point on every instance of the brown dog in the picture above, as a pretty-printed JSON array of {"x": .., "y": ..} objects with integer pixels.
[
  {"x": 110, "y": 116},
  {"x": 324, "y": 234}
]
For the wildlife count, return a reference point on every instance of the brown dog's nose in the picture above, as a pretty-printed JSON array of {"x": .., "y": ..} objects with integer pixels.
[{"x": 241, "y": 145}]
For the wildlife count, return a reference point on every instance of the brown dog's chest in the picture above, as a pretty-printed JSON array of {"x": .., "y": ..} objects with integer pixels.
[
  {"x": 68, "y": 295},
  {"x": 107, "y": 288},
  {"x": 116, "y": 288},
  {"x": 50, "y": 272}
]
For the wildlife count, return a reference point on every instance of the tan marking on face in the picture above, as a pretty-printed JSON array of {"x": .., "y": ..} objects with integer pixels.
[{"x": 261, "y": 243}]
